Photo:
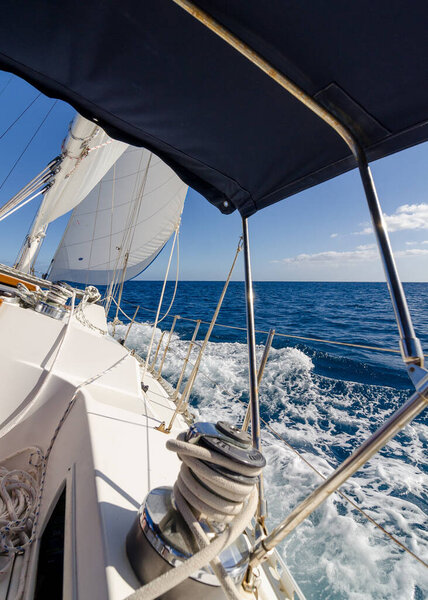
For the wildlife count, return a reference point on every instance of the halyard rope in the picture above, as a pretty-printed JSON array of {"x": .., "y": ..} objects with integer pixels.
[{"x": 177, "y": 270}]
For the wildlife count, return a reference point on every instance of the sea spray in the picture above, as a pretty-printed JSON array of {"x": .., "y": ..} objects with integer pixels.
[{"x": 336, "y": 553}]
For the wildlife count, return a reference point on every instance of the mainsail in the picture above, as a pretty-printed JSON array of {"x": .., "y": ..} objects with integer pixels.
[{"x": 123, "y": 223}]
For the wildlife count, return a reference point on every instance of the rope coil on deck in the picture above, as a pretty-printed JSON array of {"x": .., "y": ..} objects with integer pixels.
[{"x": 19, "y": 491}]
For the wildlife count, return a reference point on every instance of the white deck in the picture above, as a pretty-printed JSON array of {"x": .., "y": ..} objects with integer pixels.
[{"x": 108, "y": 453}]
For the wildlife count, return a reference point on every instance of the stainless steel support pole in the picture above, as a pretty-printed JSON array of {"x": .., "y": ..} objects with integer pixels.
[
  {"x": 251, "y": 341},
  {"x": 252, "y": 366},
  {"x": 259, "y": 375},
  {"x": 171, "y": 331},
  {"x": 414, "y": 405},
  {"x": 411, "y": 349},
  {"x": 410, "y": 345}
]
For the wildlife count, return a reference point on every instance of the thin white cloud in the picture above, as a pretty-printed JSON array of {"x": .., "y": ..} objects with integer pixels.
[
  {"x": 363, "y": 253},
  {"x": 366, "y": 247},
  {"x": 407, "y": 216},
  {"x": 334, "y": 235},
  {"x": 417, "y": 243}
]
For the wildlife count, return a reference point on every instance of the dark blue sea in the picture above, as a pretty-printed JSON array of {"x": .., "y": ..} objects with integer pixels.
[{"x": 324, "y": 399}]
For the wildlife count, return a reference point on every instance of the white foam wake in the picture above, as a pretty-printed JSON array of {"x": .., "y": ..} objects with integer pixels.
[{"x": 336, "y": 553}]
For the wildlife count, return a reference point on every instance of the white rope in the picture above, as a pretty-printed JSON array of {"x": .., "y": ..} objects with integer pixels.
[
  {"x": 18, "y": 501},
  {"x": 90, "y": 296},
  {"x": 219, "y": 499},
  {"x": 160, "y": 302},
  {"x": 176, "y": 277}
]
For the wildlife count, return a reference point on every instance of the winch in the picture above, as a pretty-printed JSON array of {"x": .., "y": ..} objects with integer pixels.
[{"x": 216, "y": 484}]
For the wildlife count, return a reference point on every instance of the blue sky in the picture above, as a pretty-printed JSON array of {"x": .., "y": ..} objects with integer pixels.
[{"x": 322, "y": 234}]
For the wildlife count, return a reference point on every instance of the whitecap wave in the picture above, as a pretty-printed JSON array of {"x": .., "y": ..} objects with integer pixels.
[{"x": 336, "y": 553}]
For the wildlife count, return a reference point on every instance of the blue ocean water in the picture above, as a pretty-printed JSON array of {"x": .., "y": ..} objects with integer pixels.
[{"x": 324, "y": 400}]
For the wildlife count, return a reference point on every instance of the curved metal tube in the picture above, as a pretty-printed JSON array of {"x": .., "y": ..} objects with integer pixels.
[{"x": 410, "y": 346}]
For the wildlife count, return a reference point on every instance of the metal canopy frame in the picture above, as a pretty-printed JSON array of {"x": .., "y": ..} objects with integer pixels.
[{"x": 410, "y": 346}]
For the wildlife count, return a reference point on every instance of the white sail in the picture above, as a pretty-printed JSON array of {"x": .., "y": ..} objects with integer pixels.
[
  {"x": 123, "y": 223},
  {"x": 88, "y": 153}
]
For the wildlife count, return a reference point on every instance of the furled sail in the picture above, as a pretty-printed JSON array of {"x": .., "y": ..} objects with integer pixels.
[
  {"x": 124, "y": 222},
  {"x": 87, "y": 154}
]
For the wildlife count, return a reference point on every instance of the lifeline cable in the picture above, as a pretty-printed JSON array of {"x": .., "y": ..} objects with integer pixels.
[{"x": 285, "y": 335}]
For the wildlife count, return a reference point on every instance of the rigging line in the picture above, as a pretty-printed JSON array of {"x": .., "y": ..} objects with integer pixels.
[
  {"x": 21, "y": 205},
  {"x": 128, "y": 223},
  {"x": 93, "y": 234},
  {"x": 113, "y": 190},
  {"x": 341, "y": 494},
  {"x": 133, "y": 225},
  {"x": 24, "y": 193},
  {"x": 6, "y": 85},
  {"x": 146, "y": 364},
  {"x": 176, "y": 274},
  {"x": 17, "y": 118},
  {"x": 28, "y": 144}
]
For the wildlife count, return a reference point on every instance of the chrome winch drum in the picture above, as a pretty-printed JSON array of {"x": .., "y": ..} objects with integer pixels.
[{"x": 161, "y": 540}]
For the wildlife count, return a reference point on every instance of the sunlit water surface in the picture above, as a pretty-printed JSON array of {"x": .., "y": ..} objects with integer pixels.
[{"x": 325, "y": 400}]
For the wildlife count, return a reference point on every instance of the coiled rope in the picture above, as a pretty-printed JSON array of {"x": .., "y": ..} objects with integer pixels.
[
  {"x": 218, "y": 499},
  {"x": 91, "y": 295},
  {"x": 18, "y": 501}
]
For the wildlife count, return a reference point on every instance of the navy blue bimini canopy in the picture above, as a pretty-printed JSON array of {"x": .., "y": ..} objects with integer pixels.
[{"x": 153, "y": 76}]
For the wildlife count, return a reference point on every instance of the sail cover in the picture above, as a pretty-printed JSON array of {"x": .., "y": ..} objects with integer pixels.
[
  {"x": 154, "y": 76},
  {"x": 123, "y": 223}
]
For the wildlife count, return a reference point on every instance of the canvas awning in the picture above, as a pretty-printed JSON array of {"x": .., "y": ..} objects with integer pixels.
[{"x": 153, "y": 76}]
